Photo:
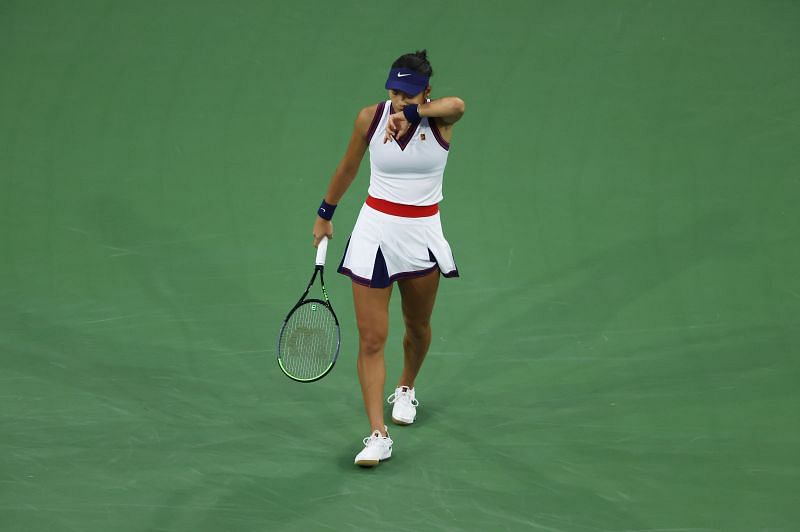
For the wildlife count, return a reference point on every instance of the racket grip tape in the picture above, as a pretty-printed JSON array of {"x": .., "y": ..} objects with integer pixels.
[{"x": 322, "y": 250}]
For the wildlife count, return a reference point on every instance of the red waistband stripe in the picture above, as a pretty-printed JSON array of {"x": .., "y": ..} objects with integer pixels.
[{"x": 399, "y": 209}]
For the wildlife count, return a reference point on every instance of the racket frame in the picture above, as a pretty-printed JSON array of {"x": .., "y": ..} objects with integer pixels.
[{"x": 318, "y": 270}]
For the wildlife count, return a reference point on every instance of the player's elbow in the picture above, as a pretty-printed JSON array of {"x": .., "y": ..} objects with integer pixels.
[
  {"x": 347, "y": 170},
  {"x": 459, "y": 106}
]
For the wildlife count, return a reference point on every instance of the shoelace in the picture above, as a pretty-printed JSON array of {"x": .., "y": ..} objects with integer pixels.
[
  {"x": 403, "y": 397},
  {"x": 374, "y": 437}
]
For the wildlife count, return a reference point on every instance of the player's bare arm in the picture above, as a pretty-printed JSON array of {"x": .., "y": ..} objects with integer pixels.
[
  {"x": 447, "y": 111},
  {"x": 346, "y": 171}
]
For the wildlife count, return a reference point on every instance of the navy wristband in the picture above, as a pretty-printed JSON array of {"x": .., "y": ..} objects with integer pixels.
[
  {"x": 411, "y": 113},
  {"x": 325, "y": 210}
]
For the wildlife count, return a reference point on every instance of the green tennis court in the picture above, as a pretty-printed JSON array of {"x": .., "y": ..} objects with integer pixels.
[{"x": 619, "y": 354}]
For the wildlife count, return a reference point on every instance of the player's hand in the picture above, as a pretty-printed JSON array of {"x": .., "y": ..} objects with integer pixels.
[
  {"x": 322, "y": 228},
  {"x": 397, "y": 126}
]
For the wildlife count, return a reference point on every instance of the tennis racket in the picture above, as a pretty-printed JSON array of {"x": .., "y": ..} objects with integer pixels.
[{"x": 308, "y": 343}]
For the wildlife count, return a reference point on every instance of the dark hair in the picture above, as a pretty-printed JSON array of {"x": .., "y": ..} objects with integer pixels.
[{"x": 417, "y": 61}]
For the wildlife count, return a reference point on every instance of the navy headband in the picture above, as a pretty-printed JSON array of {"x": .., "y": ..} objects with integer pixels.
[{"x": 409, "y": 81}]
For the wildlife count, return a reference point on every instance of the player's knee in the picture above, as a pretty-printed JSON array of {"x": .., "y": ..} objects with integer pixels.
[
  {"x": 371, "y": 342},
  {"x": 418, "y": 328}
]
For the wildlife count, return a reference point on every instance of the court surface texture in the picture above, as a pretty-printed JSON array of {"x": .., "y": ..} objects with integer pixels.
[{"x": 619, "y": 354}]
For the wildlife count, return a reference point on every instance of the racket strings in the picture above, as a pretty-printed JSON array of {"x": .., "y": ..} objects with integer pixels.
[{"x": 309, "y": 341}]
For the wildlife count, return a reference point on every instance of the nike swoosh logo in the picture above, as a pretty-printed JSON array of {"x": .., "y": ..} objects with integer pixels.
[{"x": 399, "y": 75}]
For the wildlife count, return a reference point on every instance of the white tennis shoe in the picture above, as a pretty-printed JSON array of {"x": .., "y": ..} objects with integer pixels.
[
  {"x": 405, "y": 403},
  {"x": 376, "y": 449}
]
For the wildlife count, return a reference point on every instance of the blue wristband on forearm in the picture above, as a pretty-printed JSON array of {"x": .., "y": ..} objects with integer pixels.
[
  {"x": 325, "y": 210},
  {"x": 411, "y": 113}
]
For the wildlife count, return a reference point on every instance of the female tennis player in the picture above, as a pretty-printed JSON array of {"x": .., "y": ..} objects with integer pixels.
[{"x": 398, "y": 235}]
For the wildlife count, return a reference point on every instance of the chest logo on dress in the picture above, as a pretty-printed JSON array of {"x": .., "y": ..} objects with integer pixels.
[{"x": 422, "y": 136}]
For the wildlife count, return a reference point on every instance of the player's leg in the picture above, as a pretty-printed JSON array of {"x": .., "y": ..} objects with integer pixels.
[
  {"x": 419, "y": 296},
  {"x": 372, "y": 318}
]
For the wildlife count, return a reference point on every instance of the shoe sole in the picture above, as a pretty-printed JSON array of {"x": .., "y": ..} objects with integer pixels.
[
  {"x": 402, "y": 421},
  {"x": 370, "y": 463}
]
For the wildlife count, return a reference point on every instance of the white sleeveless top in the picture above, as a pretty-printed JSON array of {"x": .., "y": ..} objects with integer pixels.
[{"x": 408, "y": 170}]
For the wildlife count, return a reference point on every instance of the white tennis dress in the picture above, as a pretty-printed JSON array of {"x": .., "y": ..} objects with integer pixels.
[{"x": 398, "y": 233}]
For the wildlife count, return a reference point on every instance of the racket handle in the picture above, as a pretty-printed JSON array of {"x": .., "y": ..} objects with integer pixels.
[{"x": 322, "y": 250}]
